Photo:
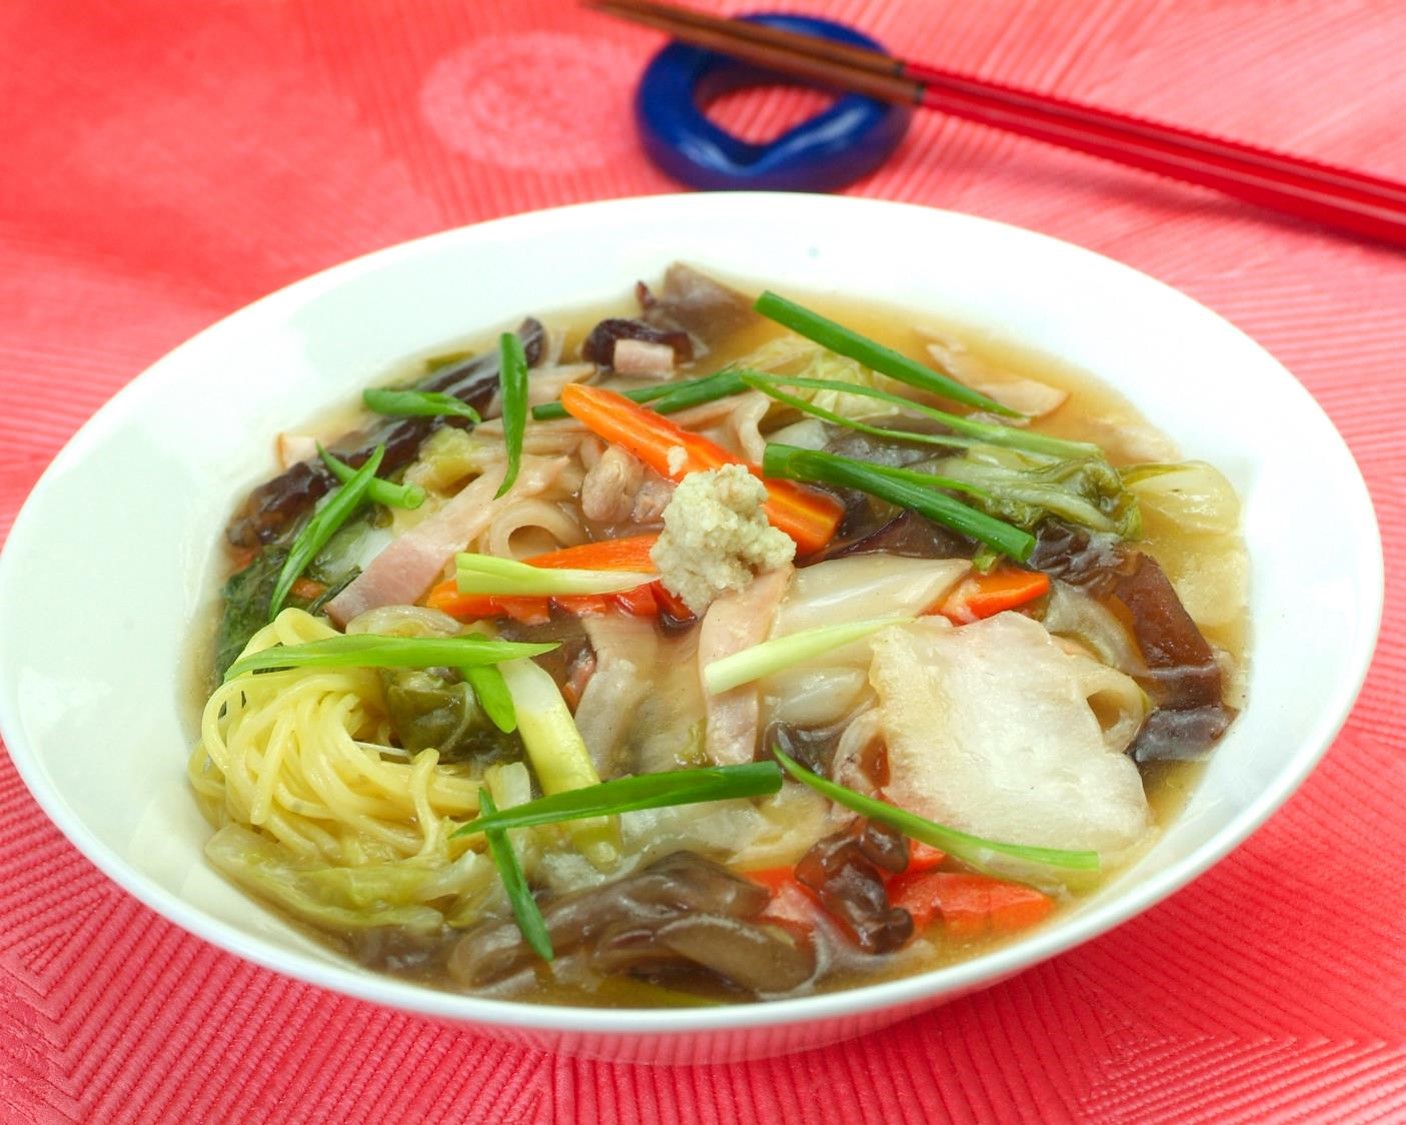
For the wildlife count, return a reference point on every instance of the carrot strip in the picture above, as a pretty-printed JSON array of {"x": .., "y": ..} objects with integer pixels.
[
  {"x": 807, "y": 516},
  {"x": 241, "y": 557},
  {"x": 969, "y": 906},
  {"x": 525, "y": 611},
  {"x": 773, "y": 878},
  {"x": 306, "y": 588},
  {"x": 670, "y": 603},
  {"x": 473, "y": 607},
  {"x": 629, "y": 553},
  {"x": 922, "y": 857},
  {"x": 793, "y": 904},
  {"x": 639, "y": 602},
  {"x": 985, "y": 595}
]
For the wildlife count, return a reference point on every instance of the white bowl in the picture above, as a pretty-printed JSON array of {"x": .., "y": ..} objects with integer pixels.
[{"x": 111, "y": 559}]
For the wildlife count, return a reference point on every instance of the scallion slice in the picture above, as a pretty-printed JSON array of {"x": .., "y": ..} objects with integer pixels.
[
  {"x": 982, "y": 433},
  {"x": 492, "y": 694},
  {"x": 417, "y": 404},
  {"x": 667, "y": 398},
  {"x": 948, "y": 441},
  {"x": 644, "y": 791},
  {"x": 380, "y": 491},
  {"x": 897, "y": 487},
  {"x": 525, "y": 909},
  {"x": 322, "y": 526},
  {"x": 488, "y": 574},
  {"x": 972, "y": 850},
  {"x": 696, "y": 392},
  {"x": 512, "y": 384},
  {"x": 368, "y": 650},
  {"x": 783, "y": 652},
  {"x": 877, "y": 357}
]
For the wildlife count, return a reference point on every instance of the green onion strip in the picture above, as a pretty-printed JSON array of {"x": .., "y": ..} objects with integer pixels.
[
  {"x": 984, "y": 855},
  {"x": 493, "y": 696},
  {"x": 525, "y": 909},
  {"x": 780, "y": 653},
  {"x": 489, "y": 574},
  {"x": 322, "y": 526},
  {"x": 667, "y": 398},
  {"x": 915, "y": 491},
  {"x": 886, "y": 361},
  {"x": 417, "y": 404},
  {"x": 380, "y": 491},
  {"x": 512, "y": 384},
  {"x": 370, "y": 650},
  {"x": 981, "y": 433},
  {"x": 643, "y": 791}
]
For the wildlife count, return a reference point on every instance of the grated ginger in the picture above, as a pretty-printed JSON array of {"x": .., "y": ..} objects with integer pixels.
[{"x": 716, "y": 536}]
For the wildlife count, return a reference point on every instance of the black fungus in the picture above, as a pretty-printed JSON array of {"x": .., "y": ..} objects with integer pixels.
[
  {"x": 706, "y": 309},
  {"x": 845, "y": 869},
  {"x": 680, "y": 914},
  {"x": 1183, "y": 679}
]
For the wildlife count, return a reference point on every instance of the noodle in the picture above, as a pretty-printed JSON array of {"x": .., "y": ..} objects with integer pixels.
[
  {"x": 286, "y": 753},
  {"x": 529, "y": 527}
]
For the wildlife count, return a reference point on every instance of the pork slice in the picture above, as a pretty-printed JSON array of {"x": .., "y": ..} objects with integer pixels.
[
  {"x": 737, "y": 620},
  {"x": 642, "y": 358},
  {"x": 997, "y": 729},
  {"x": 408, "y": 566}
]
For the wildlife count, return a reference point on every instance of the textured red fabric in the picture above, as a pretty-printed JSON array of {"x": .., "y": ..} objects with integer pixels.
[{"x": 165, "y": 162}]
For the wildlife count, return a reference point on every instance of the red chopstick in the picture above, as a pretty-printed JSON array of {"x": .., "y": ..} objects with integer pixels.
[{"x": 1337, "y": 197}]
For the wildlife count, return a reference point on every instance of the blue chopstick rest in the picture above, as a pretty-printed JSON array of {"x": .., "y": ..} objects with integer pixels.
[{"x": 825, "y": 152}]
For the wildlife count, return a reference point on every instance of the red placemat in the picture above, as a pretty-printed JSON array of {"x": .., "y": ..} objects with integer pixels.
[{"x": 165, "y": 163}]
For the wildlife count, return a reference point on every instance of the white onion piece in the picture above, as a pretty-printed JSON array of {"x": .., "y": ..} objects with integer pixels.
[
  {"x": 839, "y": 591},
  {"x": 808, "y": 433},
  {"x": 1192, "y": 496},
  {"x": 1074, "y": 614},
  {"x": 816, "y": 696},
  {"x": 746, "y": 420}
]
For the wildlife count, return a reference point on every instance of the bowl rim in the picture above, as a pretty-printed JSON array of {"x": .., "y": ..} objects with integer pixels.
[{"x": 928, "y": 986}]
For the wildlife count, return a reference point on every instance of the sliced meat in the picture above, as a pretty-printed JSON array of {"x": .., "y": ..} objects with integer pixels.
[
  {"x": 642, "y": 359},
  {"x": 627, "y": 649},
  {"x": 610, "y": 486},
  {"x": 996, "y": 729},
  {"x": 601, "y": 343},
  {"x": 402, "y": 572},
  {"x": 737, "y": 620}
]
